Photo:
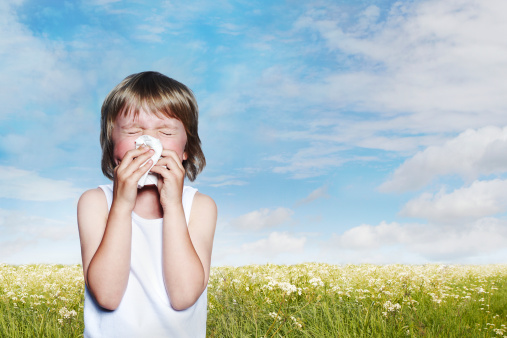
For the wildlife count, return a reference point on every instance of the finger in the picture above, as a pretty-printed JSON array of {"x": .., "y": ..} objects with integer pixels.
[
  {"x": 171, "y": 164},
  {"x": 167, "y": 153},
  {"x": 167, "y": 173},
  {"x": 164, "y": 174},
  {"x": 136, "y": 175},
  {"x": 138, "y": 161},
  {"x": 159, "y": 170},
  {"x": 132, "y": 166},
  {"x": 142, "y": 170},
  {"x": 134, "y": 153},
  {"x": 127, "y": 176},
  {"x": 129, "y": 157}
]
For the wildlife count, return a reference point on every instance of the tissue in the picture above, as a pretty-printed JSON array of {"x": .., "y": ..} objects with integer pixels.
[{"x": 155, "y": 144}]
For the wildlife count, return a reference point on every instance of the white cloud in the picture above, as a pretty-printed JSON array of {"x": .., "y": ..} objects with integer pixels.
[
  {"x": 320, "y": 192},
  {"x": 423, "y": 242},
  {"x": 229, "y": 183},
  {"x": 274, "y": 247},
  {"x": 428, "y": 69},
  {"x": 481, "y": 198},
  {"x": 20, "y": 225},
  {"x": 469, "y": 155},
  {"x": 12, "y": 247},
  {"x": 309, "y": 162},
  {"x": 101, "y": 3},
  {"x": 262, "y": 218},
  {"x": 230, "y": 28},
  {"x": 29, "y": 186},
  {"x": 426, "y": 57},
  {"x": 46, "y": 92},
  {"x": 34, "y": 69},
  {"x": 367, "y": 237},
  {"x": 276, "y": 243},
  {"x": 222, "y": 181},
  {"x": 232, "y": 98},
  {"x": 19, "y": 230}
]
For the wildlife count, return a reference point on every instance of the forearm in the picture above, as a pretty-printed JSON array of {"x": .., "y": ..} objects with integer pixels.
[
  {"x": 184, "y": 275},
  {"x": 109, "y": 268}
]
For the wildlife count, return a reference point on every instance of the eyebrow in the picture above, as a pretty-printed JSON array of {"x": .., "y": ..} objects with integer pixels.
[
  {"x": 168, "y": 125},
  {"x": 129, "y": 125}
]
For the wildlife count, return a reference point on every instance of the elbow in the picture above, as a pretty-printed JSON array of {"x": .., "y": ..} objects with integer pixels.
[
  {"x": 105, "y": 296},
  {"x": 108, "y": 304},
  {"x": 183, "y": 303},
  {"x": 105, "y": 301},
  {"x": 186, "y": 294},
  {"x": 178, "y": 307}
]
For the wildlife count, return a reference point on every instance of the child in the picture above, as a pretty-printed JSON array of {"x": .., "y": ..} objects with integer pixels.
[{"x": 146, "y": 252}]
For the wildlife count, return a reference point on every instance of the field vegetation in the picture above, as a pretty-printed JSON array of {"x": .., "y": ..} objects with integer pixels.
[{"x": 305, "y": 300}]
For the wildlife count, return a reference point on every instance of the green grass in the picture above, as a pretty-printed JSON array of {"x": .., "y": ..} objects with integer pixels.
[
  {"x": 306, "y": 300},
  {"x": 38, "y": 300}
]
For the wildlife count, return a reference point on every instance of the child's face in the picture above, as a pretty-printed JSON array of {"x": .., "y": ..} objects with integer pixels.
[{"x": 169, "y": 131}]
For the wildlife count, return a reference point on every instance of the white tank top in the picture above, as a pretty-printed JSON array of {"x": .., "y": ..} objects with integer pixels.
[{"x": 145, "y": 310}]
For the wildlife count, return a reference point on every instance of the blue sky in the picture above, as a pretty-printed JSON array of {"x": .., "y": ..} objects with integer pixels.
[{"x": 334, "y": 131}]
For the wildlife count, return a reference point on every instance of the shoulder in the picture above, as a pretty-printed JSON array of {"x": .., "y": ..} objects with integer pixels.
[
  {"x": 204, "y": 203},
  {"x": 203, "y": 206},
  {"x": 204, "y": 200},
  {"x": 92, "y": 201},
  {"x": 92, "y": 213},
  {"x": 92, "y": 196}
]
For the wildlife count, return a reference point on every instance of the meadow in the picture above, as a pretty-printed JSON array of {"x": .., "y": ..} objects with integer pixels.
[{"x": 304, "y": 300}]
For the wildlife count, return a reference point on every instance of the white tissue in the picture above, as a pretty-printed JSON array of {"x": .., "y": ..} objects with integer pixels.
[{"x": 154, "y": 143}]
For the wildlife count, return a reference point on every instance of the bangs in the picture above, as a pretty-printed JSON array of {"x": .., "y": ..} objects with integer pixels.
[
  {"x": 133, "y": 107},
  {"x": 160, "y": 98}
]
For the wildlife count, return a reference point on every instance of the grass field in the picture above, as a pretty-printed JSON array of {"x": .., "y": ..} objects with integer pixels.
[{"x": 306, "y": 300}]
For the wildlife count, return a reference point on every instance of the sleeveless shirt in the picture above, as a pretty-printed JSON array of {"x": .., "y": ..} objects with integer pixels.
[{"x": 145, "y": 310}]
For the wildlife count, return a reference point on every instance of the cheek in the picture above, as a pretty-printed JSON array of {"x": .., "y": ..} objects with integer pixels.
[
  {"x": 121, "y": 147},
  {"x": 178, "y": 147}
]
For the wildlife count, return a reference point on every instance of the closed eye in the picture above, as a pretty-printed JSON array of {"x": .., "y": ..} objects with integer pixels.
[
  {"x": 167, "y": 132},
  {"x": 133, "y": 131}
]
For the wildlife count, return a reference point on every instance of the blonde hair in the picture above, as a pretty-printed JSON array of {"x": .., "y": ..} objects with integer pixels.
[{"x": 159, "y": 95}]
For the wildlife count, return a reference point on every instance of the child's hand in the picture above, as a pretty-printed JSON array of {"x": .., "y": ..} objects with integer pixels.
[
  {"x": 172, "y": 174},
  {"x": 128, "y": 173}
]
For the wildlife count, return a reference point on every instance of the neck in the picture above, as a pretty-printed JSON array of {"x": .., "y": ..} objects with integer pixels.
[{"x": 148, "y": 203}]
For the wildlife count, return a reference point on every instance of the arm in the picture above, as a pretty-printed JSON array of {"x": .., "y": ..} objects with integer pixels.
[
  {"x": 106, "y": 239},
  {"x": 186, "y": 250}
]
